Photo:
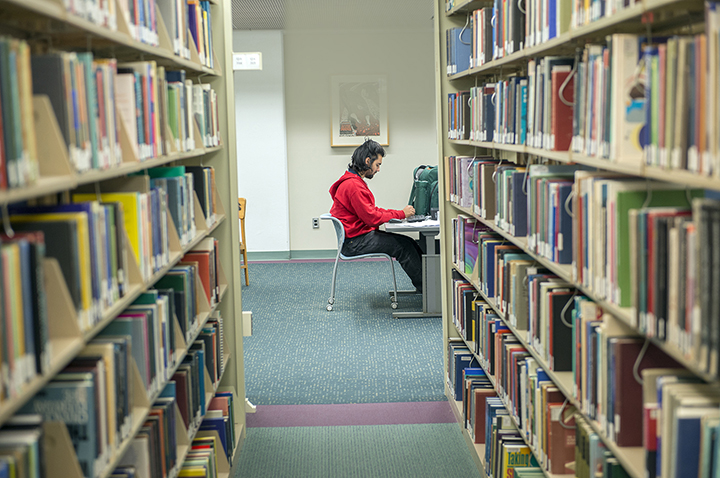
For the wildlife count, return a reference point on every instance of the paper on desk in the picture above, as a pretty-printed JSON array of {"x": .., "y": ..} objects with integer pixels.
[{"x": 425, "y": 223}]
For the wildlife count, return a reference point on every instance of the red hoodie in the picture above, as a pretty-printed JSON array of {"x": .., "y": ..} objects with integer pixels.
[{"x": 354, "y": 206}]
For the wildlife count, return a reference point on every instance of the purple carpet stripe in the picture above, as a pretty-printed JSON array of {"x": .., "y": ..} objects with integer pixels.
[{"x": 399, "y": 413}]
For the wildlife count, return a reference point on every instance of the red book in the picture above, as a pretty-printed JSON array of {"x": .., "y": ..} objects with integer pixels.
[
  {"x": 203, "y": 261},
  {"x": 181, "y": 391},
  {"x": 561, "y": 438},
  {"x": 479, "y": 400},
  {"x": 561, "y": 120},
  {"x": 627, "y": 395}
]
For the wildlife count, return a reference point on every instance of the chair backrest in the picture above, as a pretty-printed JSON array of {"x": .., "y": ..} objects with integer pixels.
[
  {"x": 339, "y": 228},
  {"x": 241, "y": 208}
]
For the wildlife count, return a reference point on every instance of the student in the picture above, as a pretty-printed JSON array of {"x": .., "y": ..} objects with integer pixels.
[{"x": 354, "y": 206}]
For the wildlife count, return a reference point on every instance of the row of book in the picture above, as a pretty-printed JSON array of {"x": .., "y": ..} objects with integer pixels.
[
  {"x": 158, "y": 110},
  {"x": 542, "y": 434},
  {"x": 90, "y": 234},
  {"x": 505, "y": 28},
  {"x": 153, "y": 451},
  {"x": 93, "y": 394},
  {"x": 534, "y": 110},
  {"x": 629, "y": 101},
  {"x": 602, "y": 352},
  {"x": 557, "y": 435},
  {"x": 88, "y": 242},
  {"x": 183, "y": 19},
  {"x": 652, "y": 243}
]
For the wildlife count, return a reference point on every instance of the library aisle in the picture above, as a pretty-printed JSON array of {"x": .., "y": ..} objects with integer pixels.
[{"x": 348, "y": 393}]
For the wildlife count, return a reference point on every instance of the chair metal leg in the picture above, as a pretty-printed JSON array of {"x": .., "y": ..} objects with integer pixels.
[
  {"x": 394, "y": 303},
  {"x": 331, "y": 300}
]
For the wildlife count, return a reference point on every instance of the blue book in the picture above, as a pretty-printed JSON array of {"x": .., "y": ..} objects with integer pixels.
[
  {"x": 198, "y": 348},
  {"x": 219, "y": 425},
  {"x": 687, "y": 440},
  {"x": 4, "y": 468},
  {"x": 523, "y": 113},
  {"x": 169, "y": 391},
  {"x": 519, "y": 204},
  {"x": 463, "y": 360}
]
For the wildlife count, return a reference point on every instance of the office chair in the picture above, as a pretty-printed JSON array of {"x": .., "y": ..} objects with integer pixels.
[
  {"x": 340, "y": 233},
  {"x": 243, "y": 246}
]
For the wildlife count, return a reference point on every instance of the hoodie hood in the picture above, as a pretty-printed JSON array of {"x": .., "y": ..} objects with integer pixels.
[{"x": 348, "y": 176}]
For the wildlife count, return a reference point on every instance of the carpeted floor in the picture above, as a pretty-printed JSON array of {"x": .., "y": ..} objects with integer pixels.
[
  {"x": 349, "y": 393},
  {"x": 374, "y": 451},
  {"x": 299, "y": 353}
]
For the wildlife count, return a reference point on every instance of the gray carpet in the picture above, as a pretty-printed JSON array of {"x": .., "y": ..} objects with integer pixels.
[
  {"x": 388, "y": 451},
  {"x": 299, "y": 353}
]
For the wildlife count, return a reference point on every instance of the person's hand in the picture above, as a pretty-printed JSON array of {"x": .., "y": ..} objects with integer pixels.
[{"x": 409, "y": 211}]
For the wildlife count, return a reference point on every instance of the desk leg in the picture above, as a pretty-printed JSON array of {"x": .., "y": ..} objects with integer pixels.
[{"x": 431, "y": 290}]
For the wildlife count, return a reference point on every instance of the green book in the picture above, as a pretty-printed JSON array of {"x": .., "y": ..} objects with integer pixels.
[
  {"x": 173, "y": 114},
  {"x": 622, "y": 197}
]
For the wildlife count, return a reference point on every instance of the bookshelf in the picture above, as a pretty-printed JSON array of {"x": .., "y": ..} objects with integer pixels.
[
  {"x": 46, "y": 26},
  {"x": 650, "y": 18}
]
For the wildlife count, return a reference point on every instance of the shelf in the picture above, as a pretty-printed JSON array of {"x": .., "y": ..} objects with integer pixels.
[
  {"x": 140, "y": 413},
  {"x": 183, "y": 450},
  {"x": 625, "y": 314},
  {"x": 625, "y": 20},
  {"x": 66, "y": 348},
  {"x": 458, "y": 414},
  {"x": 631, "y": 458},
  {"x": 52, "y": 185},
  {"x": 68, "y": 29},
  {"x": 476, "y": 450}
]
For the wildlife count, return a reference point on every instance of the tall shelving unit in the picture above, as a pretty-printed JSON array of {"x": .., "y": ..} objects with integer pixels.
[
  {"x": 48, "y": 23},
  {"x": 637, "y": 18}
]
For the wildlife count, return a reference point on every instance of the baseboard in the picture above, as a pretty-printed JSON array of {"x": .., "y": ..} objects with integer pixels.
[
  {"x": 314, "y": 254},
  {"x": 288, "y": 255}
]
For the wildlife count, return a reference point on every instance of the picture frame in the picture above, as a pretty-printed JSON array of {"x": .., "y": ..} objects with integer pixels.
[{"x": 359, "y": 109}]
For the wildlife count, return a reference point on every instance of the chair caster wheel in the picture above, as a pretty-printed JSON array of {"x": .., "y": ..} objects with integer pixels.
[
  {"x": 329, "y": 307},
  {"x": 394, "y": 305}
]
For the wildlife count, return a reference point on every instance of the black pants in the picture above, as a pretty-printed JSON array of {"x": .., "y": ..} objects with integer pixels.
[{"x": 403, "y": 248}]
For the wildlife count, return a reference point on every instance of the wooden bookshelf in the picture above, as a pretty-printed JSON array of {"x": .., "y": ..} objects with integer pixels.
[
  {"x": 630, "y": 20},
  {"x": 48, "y": 23}
]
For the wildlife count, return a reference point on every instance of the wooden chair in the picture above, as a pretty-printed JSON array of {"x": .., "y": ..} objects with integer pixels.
[{"x": 243, "y": 245}]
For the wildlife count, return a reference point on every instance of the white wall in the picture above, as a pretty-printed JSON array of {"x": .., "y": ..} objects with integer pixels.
[
  {"x": 261, "y": 142},
  {"x": 311, "y": 58}
]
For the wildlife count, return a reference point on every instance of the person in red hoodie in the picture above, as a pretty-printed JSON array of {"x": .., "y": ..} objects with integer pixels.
[{"x": 354, "y": 205}]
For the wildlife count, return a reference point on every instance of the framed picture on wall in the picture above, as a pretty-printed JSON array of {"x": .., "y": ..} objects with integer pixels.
[{"x": 359, "y": 109}]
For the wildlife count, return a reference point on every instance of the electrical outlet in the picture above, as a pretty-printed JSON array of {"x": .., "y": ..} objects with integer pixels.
[{"x": 316, "y": 223}]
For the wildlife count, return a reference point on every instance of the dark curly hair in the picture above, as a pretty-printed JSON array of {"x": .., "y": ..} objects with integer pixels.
[{"x": 369, "y": 149}]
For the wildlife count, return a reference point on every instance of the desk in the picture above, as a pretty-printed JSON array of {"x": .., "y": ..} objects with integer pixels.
[{"x": 432, "y": 306}]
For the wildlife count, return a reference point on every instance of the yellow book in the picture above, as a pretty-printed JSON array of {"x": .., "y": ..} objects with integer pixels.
[
  {"x": 194, "y": 471},
  {"x": 132, "y": 219},
  {"x": 14, "y": 324},
  {"x": 83, "y": 237},
  {"x": 515, "y": 456}
]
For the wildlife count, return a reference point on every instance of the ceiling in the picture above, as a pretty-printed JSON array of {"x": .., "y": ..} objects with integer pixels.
[{"x": 331, "y": 14}]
